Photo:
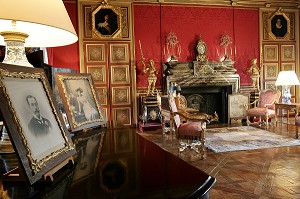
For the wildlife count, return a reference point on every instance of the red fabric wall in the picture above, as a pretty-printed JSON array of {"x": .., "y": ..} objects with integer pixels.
[
  {"x": 153, "y": 22},
  {"x": 66, "y": 56}
]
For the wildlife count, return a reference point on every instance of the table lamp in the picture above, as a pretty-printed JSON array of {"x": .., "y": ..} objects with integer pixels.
[
  {"x": 33, "y": 23},
  {"x": 286, "y": 79}
]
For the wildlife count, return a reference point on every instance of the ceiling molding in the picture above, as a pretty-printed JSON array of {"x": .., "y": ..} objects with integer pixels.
[{"x": 247, "y": 3}]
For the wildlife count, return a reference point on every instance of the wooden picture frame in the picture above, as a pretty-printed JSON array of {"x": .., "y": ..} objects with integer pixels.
[
  {"x": 107, "y": 22},
  {"x": 236, "y": 108},
  {"x": 80, "y": 100},
  {"x": 89, "y": 147},
  {"x": 41, "y": 145}
]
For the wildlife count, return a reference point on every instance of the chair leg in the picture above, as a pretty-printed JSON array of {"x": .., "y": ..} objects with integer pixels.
[
  {"x": 202, "y": 147},
  {"x": 267, "y": 120},
  {"x": 247, "y": 120},
  {"x": 259, "y": 121}
]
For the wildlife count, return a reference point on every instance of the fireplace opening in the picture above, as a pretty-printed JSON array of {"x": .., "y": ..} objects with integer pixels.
[{"x": 208, "y": 99}]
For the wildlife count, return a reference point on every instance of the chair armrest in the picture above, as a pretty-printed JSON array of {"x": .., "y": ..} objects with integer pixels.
[
  {"x": 189, "y": 116},
  {"x": 252, "y": 103},
  {"x": 271, "y": 104}
]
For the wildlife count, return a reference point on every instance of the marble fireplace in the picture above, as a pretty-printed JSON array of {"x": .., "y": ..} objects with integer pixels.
[{"x": 207, "y": 89}]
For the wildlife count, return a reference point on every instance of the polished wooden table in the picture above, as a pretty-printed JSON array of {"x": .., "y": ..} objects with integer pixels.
[{"x": 114, "y": 163}]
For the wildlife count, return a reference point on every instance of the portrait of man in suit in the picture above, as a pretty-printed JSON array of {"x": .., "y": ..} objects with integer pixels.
[{"x": 38, "y": 125}]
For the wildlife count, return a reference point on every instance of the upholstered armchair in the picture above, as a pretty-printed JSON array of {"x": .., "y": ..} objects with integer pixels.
[
  {"x": 190, "y": 134},
  {"x": 263, "y": 107}
]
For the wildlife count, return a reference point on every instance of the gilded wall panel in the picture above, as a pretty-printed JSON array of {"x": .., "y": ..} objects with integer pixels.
[
  {"x": 120, "y": 74},
  {"x": 87, "y": 22},
  {"x": 102, "y": 94},
  {"x": 288, "y": 52},
  {"x": 271, "y": 71},
  {"x": 119, "y": 53},
  {"x": 271, "y": 53},
  {"x": 288, "y": 66},
  {"x": 98, "y": 73},
  {"x": 121, "y": 95},
  {"x": 95, "y": 53},
  {"x": 122, "y": 115},
  {"x": 125, "y": 24}
]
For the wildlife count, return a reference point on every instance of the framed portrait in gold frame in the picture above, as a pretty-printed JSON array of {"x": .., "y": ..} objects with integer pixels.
[
  {"x": 106, "y": 22},
  {"x": 80, "y": 100},
  {"x": 33, "y": 120},
  {"x": 279, "y": 26}
]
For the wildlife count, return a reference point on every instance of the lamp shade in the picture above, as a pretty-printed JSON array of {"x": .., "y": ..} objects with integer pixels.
[
  {"x": 46, "y": 22},
  {"x": 287, "y": 78}
]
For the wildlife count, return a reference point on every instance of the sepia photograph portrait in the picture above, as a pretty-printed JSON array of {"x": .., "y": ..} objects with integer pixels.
[
  {"x": 80, "y": 100},
  {"x": 40, "y": 127},
  {"x": 32, "y": 118}
]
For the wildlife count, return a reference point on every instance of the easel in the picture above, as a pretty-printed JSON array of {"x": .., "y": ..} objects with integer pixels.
[
  {"x": 17, "y": 175},
  {"x": 57, "y": 168}
]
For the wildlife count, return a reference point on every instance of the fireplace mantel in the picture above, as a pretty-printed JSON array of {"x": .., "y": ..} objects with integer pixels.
[{"x": 216, "y": 74}]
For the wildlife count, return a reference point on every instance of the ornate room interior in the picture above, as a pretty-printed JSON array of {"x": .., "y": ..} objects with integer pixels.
[
  {"x": 217, "y": 56},
  {"x": 146, "y": 26}
]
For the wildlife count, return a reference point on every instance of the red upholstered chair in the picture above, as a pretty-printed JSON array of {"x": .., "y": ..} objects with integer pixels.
[
  {"x": 264, "y": 107},
  {"x": 190, "y": 134}
]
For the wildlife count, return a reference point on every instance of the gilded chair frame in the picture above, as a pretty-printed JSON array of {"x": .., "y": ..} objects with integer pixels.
[{"x": 256, "y": 104}]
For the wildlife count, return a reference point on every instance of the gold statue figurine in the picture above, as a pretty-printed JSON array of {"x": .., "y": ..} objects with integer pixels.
[
  {"x": 152, "y": 73},
  {"x": 254, "y": 72}
]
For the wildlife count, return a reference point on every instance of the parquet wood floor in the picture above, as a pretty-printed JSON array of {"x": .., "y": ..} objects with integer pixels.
[{"x": 265, "y": 173}]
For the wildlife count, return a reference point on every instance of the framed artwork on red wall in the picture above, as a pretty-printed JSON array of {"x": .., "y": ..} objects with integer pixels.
[{"x": 106, "y": 22}]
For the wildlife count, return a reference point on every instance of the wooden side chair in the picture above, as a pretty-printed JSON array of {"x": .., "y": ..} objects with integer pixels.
[
  {"x": 190, "y": 134},
  {"x": 264, "y": 107}
]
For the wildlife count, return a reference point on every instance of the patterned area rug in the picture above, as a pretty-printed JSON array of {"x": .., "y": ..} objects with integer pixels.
[{"x": 245, "y": 138}]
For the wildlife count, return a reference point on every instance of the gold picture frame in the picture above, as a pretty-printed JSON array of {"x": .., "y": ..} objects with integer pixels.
[
  {"x": 279, "y": 26},
  {"x": 34, "y": 123},
  {"x": 107, "y": 22},
  {"x": 80, "y": 100}
]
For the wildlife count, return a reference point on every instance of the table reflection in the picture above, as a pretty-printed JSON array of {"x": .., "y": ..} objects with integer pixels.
[{"x": 118, "y": 163}]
